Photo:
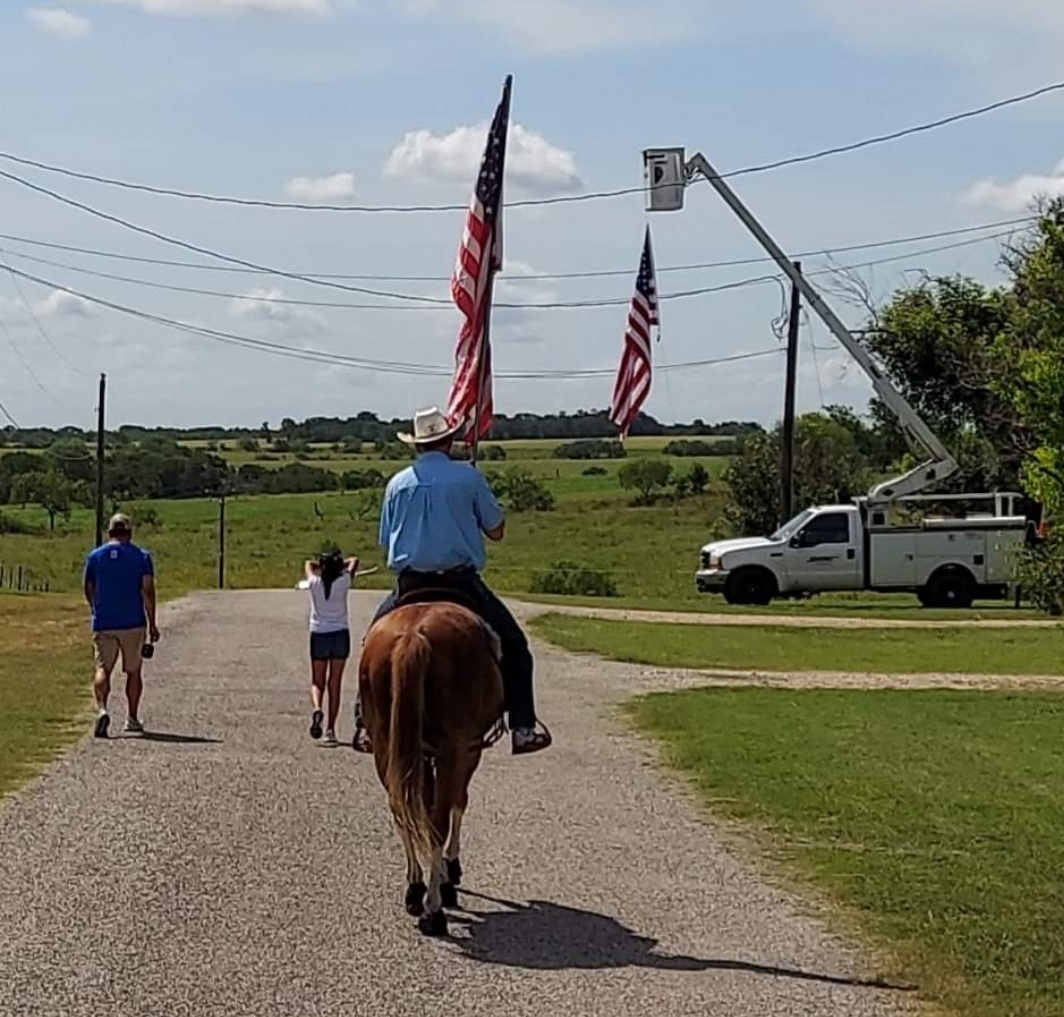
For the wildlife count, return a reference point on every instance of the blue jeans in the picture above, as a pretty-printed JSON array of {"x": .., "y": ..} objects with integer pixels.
[{"x": 516, "y": 664}]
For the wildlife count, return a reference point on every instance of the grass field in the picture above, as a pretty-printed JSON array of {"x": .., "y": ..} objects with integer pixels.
[
  {"x": 728, "y": 647},
  {"x": 938, "y": 817},
  {"x": 45, "y": 673}
]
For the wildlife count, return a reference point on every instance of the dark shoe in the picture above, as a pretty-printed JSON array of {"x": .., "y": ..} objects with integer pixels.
[
  {"x": 526, "y": 740},
  {"x": 316, "y": 719},
  {"x": 103, "y": 722}
]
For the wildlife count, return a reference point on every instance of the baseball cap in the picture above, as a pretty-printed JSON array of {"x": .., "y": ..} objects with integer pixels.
[{"x": 119, "y": 523}]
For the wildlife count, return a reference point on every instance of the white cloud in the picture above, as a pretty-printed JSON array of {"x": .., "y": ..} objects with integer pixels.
[
  {"x": 227, "y": 8},
  {"x": 518, "y": 283},
  {"x": 1017, "y": 195},
  {"x": 533, "y": 164},
  {"x": 329, "y": 188},
  {"x": 62, "y": 304},
  {"x": 263, "y": 307},
  {"x": 551, "y": 27},
  {"x": 57, "y": 21}
]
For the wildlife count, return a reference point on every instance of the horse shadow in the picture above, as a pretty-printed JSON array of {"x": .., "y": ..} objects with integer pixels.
[{"x": 544, "y": 936}]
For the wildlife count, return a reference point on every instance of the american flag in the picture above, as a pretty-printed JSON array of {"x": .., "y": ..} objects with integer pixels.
[
  {"x": 479, "y": 258},
  {"x": 633, "y": 376}
]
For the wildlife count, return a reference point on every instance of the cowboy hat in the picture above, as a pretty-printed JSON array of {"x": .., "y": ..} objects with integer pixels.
[{"x": 429, "y": 426}]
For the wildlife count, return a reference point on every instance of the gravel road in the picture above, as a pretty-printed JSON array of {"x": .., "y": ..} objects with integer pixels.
[{"x": 227, "y": 865}]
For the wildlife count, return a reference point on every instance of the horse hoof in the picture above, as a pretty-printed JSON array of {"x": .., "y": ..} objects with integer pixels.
[
  {"x": 433, "y": 924},
  {"x": 415, "y": 899},
  {"x": 454, "y": 871},
  {"x": 448, "y": 895}
]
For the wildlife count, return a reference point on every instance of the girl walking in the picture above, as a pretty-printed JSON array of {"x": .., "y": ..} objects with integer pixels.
[{"x": 329, "y": 581}]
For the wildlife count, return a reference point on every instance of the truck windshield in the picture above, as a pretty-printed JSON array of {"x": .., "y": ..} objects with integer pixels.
[{"x": 789, "y": 529}]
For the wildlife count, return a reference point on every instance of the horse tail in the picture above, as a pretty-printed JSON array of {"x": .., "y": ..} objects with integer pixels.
[{"x": 406, "y": 764}]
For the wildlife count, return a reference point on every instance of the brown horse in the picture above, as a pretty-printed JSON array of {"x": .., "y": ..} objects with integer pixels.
[{"x": 431, "y": 691}]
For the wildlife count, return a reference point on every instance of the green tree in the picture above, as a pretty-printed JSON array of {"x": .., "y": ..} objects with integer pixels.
[
  {"x": 942, "y": 343},
  {"x": 520, "y": 491},
  {"x": 829, "y": 469},
  {"x": 698, "y": 478},
  {"x": 54, "y": 492},
  {"x": 647, "y": 476}
]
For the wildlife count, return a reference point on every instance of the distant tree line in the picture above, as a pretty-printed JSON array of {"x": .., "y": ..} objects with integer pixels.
[
  {"x": 63, "y": 476},
  {"x": 368, "y": 428}
]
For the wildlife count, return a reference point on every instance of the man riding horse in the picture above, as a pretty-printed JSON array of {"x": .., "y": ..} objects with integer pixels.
[{"x": 435, "y": 516}]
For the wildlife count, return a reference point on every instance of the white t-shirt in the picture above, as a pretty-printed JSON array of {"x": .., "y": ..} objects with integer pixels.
[{"x": 329, "y": 615}]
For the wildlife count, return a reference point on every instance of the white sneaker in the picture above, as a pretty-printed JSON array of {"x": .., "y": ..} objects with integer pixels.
[
  {"x": 330, "y": 737},
  {"x": 133, "y": 726}
]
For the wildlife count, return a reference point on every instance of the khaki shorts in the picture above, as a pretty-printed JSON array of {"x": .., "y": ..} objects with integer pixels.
[{"x": 128, "y": 642}]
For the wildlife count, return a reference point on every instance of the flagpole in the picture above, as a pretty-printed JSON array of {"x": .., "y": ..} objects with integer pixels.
[{"x": 482, "y": 367}]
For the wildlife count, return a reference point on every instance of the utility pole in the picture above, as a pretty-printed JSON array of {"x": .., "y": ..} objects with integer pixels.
[
  {"x": 221, "y": 541},
  {"x": 100, "y": 458},
  {"x": 787, "y": 449}
]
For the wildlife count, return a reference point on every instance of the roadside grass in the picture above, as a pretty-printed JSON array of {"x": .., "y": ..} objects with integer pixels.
[
  {"x": 873, "y": 606},
  {"x": 936, "y": 816},
  {"x": 269, "y": 537},
  {"x": 45, "y": 675},
  {"x": 1032, "y": 651}
]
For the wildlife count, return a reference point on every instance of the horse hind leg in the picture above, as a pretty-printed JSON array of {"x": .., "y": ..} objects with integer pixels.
[
  {"x": 459, "y": 795},
  {"x": 434, "y": 922},
  {"x": 452, "y": 852},
  {"x": 415, "y": 886}
]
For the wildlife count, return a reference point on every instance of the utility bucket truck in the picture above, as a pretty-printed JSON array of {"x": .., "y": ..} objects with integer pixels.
[
  {"x": 947, "y": 561},
  {"x": 879, "y": 542}
]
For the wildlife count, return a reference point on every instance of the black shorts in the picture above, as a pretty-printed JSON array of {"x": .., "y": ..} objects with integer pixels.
[{"x": 330, "y": 645}]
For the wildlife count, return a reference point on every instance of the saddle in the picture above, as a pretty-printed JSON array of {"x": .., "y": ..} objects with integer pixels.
[{"x": 438, "y": 594}]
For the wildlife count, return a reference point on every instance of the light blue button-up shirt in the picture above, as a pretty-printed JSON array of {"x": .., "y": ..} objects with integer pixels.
[{"x": 434, "y": 515}]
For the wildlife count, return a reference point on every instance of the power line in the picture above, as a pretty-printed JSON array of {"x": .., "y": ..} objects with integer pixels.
[
  {"x": 208, "y": 252},
  {"x": 4, "y": 411},
  {"x": 380, "y": 366},
  {"x": 531, "y": 305},
  {"x": 37, "y": 321},
  {"x": 528, "y": 202},
  {"x": 532, "y": 277}
]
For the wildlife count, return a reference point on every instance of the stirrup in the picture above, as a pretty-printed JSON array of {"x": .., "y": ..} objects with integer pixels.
[
  {"x": 495, "y": 734},
  {"x": 541, "y": 739}
]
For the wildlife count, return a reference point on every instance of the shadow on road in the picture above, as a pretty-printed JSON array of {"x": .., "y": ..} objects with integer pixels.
[
  {"x": 178, "y": 739},
  {"x": 540, "y": 935}
]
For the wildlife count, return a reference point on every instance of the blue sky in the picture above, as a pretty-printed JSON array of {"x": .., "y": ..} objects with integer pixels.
[{"x": 385, "y": 102}]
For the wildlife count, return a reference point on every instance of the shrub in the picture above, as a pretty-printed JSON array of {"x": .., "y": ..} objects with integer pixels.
[
  {"x": 594, "y": 471},
  {"x": 570, "y": 579},
  {"x": 590, "y": 448},
  {"x": 9, "y": 524},
  {"x": 1040, "y": 571},
  {"x": 520, "y": 491},
  {"x": 647, "y": 476},
  {"x": 145, "y": 515}
]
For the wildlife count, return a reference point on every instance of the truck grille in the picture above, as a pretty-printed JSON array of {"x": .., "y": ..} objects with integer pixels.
[{"x": 703, "y": 557}]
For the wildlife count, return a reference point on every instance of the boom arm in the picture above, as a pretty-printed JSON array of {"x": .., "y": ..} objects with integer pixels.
[{"x": 939, "y": 463}]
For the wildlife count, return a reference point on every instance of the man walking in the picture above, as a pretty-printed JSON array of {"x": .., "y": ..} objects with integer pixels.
[
  {"x": 120, "y": 590},
  {"x": 436, "y": 514}
]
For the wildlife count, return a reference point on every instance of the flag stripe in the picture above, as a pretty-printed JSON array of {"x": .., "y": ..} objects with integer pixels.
[
  {"x": 634, "y": 374},
  {"x": 470, "y": 404}
]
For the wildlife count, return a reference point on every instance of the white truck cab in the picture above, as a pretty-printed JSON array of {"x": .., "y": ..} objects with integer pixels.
[{"x": 947, "y": 562}]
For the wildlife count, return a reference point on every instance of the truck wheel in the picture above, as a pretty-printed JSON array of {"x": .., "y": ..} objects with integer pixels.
[
  {"x": 750, "y": 586},
  {"x": 949, "y": 587}
]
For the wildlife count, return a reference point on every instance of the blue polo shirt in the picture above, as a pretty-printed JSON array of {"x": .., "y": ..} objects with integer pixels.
[
  {"x": 118, "y": 571},
  {"x": 434, "y": 515}
]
